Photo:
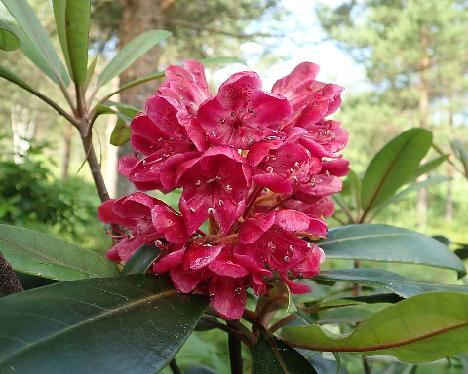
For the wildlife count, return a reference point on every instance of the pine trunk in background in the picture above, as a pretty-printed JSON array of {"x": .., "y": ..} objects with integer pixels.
[
  {"x": 66, "y": 156},
  {"x": 423, "y": 112},
  {"x": 139, "y": 16}
]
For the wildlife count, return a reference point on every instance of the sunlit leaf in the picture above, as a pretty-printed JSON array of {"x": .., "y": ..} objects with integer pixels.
[
  {"x": 9, "y": 41},
  {"x": 120, "y": 134},
  {"x": 422, "y": 328},
  {"x": 130, "y": 53},
  {"x": 389, "y": 244},
  {"x": 34, "y": 253}
]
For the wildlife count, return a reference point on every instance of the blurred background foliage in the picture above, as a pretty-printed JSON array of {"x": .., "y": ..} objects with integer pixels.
[{"x": 412, "y": 60}]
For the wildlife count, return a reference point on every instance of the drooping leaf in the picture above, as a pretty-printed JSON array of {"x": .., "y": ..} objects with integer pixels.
[
  {"x": 136, "y": 82},
  {"x": 121, "y": 133},
  {"x": 393, "y": 166},
  {"x": 9, "y": 41},
  {"x": 34, "y": 253},
  {"x": 389, "y": 244},
  {"x": 272, "y": 356},
  {"x": 72, "y": 19},
  {"x": 130, "y": 53},
  {"x": 128, "y": 324},
  {"x": 416, "y": 186},
  {"x": 141, "y": 260},
  {"x": 13, "y": 78},
  {"x": 431, "y": 165},
  {"x": 40, "y": 48},
  {"x": 386, "y": 279},
  {"x": 422, "y": 328},
  {"x": 461, "y": 154}
]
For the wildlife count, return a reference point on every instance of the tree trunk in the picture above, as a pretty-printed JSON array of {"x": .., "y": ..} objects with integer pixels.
[
  {"x": 67, "y": 141},
  {"x": 423, "y": 112},
  {"x": 139, "y": 16}
]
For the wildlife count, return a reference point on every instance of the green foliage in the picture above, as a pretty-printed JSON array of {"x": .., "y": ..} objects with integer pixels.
[
  {"x": 9, "y": 41},
  {"x": 116, "y": 325},
  {"x": 389, "y": 244},
  {"x": 141, "y": 260},
  {"x": 399, "y": 330},
  {"x": 41, "y": 255}
]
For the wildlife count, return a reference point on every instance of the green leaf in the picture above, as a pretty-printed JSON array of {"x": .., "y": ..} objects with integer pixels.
[
  {"x": 462, "y": 251},
  {"x": 128, "y": 324},
  {"x": 141, "y": 260},
  {"x": 130, "y": 53},
  {"x": 272, "y": 356},
  {"x": 409, "y": 190},
  {"x": 90, "y": 73},
  {"x": 72, "y": 19},
  {"x": 34, "y": 253},
  {"x": 9, "y": 41},
  {"x": 40, "y": 48},
  {"x": 389, "y": 244},
  {"x": 13, "y": 78},
  {"x": 355, "y": 186},
  {"x": 121, "y": 133},
  {"x": 137, "y": 82},
  {"x": 461, "y": 154},
  {"x": 422, "y": 328},
  {"x": 431, "y": 165},
  {"x": 393, "y": 166},
  {"x": 391, "y": 281}
]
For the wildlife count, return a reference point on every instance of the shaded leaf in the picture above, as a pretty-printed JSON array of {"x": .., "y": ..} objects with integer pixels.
[
  {"x": 389, "y": 244},
  {"x": 272, "y": 356},
  {"x": 394, "y": 165},
  {"x": 136, "y": 82},
  {"x": 462, "y": 252},
  {"x": 461, "y": 154},
  {"x": 9, "y": 41},
  {"x": 422, "y": 328},
  {"x": 34, "y": 253},
  {"x": 386, "y": 279},
  {"x": 72, "y": 19},
  {"x": 278, "y": 297},
  {"x": 30, "y": 281},
  {"x": 40, "y": 44},
  {"x": 128, "y": 324},
  {"x": 121, "y": 133},
  {"x": 141, "y": 260},
  {"x": 130, "y": 53}
]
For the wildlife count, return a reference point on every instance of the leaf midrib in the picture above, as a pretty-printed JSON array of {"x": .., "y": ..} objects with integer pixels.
[
  {"x": 52, "y": 260},
  {"x": 97, "y": 317},
  {"x": 367, "y": 236},
  {"x": 382, "y": 346}
]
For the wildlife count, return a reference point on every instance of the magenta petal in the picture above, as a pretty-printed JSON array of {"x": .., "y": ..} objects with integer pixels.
[
  {"x": 297, "y": 287},
  {"x": 168, "y": 262},
  {"x": 259, "y": 151},
  {"x": 297, "y": 79},
  {"x": 274, "y": 182},
  {"x": 127, "y": 164},
  {"x": 224, "y": 265},
  {"x": 292, "y": 220},
  {"x": 229, "y": 298},
  {"x": 185, "y": 280},
  {"x": 237, "y": 91},
  {"x": 198, "y": 256},
  {"x": 145, "y": 134},
  {"x": 317, "y": 227},
  {"x": 169, "y": 224},
  {"x": 254, "y": 228},
  {"x": 270, "y": 109}
]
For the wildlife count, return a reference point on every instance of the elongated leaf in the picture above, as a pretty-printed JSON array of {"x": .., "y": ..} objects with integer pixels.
[
  {"x": 461, "y": 154},
  {"x": 431, "y": 165},
  {"x": 132, "y": 324},
  {"x": 409, "y": 190},
  {"x": 9, "y": 41},
  {"x": 37, "y": 34},
  {"x": 272, "y": 356},
  {"x": 130, "y": 53},
  {"x": 221, "y": 60},
  {"x": 389, "y": 244},
  {"x": 90, "y": 73},
  {"x": 394, "y": 165},
  {"x": 137, "y": 82},
  {"x": 72, "y": 19},
  {"x": 391, "y": 281},
  {"x": 141, "y": 260},
  {"x": 422, "y": 328},
  {"x": 355, "y": 186},
  {"x": 13, "y": 78},
  {"x": 38, "y": 254}
]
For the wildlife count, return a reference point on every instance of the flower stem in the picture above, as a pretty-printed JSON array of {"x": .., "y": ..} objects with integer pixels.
[{"x": 235, "y": 355}]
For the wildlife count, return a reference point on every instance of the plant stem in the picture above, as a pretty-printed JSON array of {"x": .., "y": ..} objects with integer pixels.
[
  {"x": 95, "y": 167},
  {"x": 9, "y": 282},
  {"x": 235, "y": 354},
  {"x": 173, "y": 365}
]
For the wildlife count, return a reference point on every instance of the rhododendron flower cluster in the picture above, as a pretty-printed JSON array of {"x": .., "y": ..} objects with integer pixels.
[{"x": 257, "y": 167}]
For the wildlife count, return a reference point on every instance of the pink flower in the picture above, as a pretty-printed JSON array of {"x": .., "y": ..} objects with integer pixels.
[
  {"x": 241, "y": 114},
  {"x": 258, "y": 168},
  {"x": 215, "y": 185}
]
